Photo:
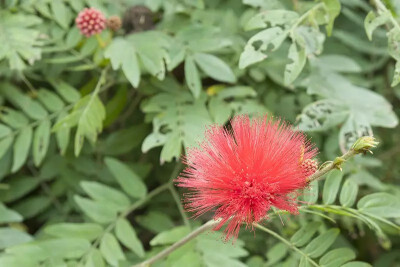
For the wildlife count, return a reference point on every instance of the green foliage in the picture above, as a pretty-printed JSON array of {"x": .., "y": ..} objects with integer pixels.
[{"x": 91, "y": 128}]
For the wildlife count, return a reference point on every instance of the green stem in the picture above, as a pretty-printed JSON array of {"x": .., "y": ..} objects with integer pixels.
[
  {"x": 333, "y": 165},
  {"x": 286, "y": 242},
  {"x": 164, "y": 253},
  {"x": 175, "y": 195}
]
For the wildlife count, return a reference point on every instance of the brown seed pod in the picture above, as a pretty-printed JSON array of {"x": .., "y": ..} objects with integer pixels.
[{"x": 114, "y": 23}]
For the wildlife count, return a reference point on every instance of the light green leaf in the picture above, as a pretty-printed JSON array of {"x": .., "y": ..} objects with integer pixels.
[
  {"x": 127, "y": 178},
  {"x": 89, "y": 231},
  {"x": 65, "y": 248},
  {"x": 67, "y": 92},
  {"x": 106, "y": 194},
  {"x": 8, "y": 215},
  {"x": 63, "y": 134},
  {"x": 127, "y": 236},
  {"x": 111, "y": 250},
  {"x": 298, "y": 58},
  {"x": 305, "y": 233},
  {"x": 337, "y": 257},
  {"x": 310, "y": 194},
  {"x": 214, "y": 67},
  {"x": 380, "y": 204},
  {"x": 396, "y": 76},
  {"x": 21, "y": 148},
  {"x": 13, "y": 118},
  {"x": 272, "y": 18},
  {"x": 99, "y": 212},
  {"x": 50, "y": 100},
  {"x": 61, "y": 13},
  {"x": 331, "y": 186},
  {"x": 122, "y": 54},
  {"x": 5, "y": 144},
  {"x": 170, "y": 236},
  {"x": 321, "y": 243},
  {"x": 276, "y": 253},
  {"x": 41, "y": 142},
  {"x": 192, "y": 76},
  {"x": 348, "y": 194},
  {"x": 255, "y": 49},
  {"x": 333, "y": 10},
  {"x": 95, "y": 259},
  {"x": 155, "y": 222},
  {"x": 356, "y": 264},
  {"x": 11, "y": 237},
  {"x": 372, "y": 22}
]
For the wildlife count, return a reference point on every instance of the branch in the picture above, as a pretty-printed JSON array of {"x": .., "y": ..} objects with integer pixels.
[
  {"x": 362, "y": 145},
  {"x": 205, "y": 227}
]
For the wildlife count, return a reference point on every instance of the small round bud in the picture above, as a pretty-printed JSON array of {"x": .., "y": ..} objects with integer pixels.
[
  {"x": 90, "y": 21},
  {"x": 310, "y": 166},
  {"x": 114, "y": 23}
]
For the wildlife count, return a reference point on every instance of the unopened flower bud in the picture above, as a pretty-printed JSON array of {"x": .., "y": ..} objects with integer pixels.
[
  {"x": 364, "y": 144},
  {"x": 114, "y": 23},
  {"x": 90, "y": 21},
  {"x": 310, "y": 166}
]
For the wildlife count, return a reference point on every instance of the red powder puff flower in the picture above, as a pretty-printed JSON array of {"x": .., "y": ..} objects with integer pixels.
[
  {"x": 90, "y": 21},
  {"x": 243, "y": 172}
]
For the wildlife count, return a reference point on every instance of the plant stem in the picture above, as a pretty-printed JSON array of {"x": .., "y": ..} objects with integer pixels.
[
  {"x": 175, "y": 195},
  {"x": 383, "y": 9},
  {"x": 333, "y": 165},
  {"x": 286, "y": 242},
  {"x": 207, "y": 226}
]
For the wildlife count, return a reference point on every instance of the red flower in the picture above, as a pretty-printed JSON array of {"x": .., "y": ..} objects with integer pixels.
[
  {"x": 243, "y": 172},
  {"x": 90, "y": 21}
]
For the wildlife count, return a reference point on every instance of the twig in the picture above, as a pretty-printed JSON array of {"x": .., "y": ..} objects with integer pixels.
[
  {"x": 286, "y": 242},
  {"x": 205, "y": 227}
]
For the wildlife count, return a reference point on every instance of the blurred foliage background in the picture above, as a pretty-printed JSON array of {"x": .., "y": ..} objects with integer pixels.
[{"x": 92, "y": 129}]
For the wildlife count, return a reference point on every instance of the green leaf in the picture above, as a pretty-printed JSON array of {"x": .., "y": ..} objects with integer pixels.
[
  {"x": 219, "y": 110},
  {"x": 380, "y": 204},
  {"x": 333, "y": 10},
  {"x": 304, "y": 234},
  {"x": 5, "y": 144},
  {"x": 331, "y": 186},
  {"x": 21, "y": 148},
  {"x": 298, "y": 58},
  {"x": 8, "y": 215},
  {"x": 256, "y": 48},
  {"x": 170, "y": 236},
  {"x": 348, "y": 194},
  {"x": 99, "y": 212},
  {"x": 106, "y": 194},
  {"x": 272, "y": 18},
  {"x": 50, "y": 100},
  {"x": 61, "y": 13},
  {"x": 127, "y": 178},
  {"x": 127, "y": 236},
  {"x": 18, "y": 187},
  {"x": 13, "y": 118},
  {"x": 396, "y": 76},
  {"x": 122, "y": 54},
  {"x": 155, "y": 222},
  {"x": 41, "y": 142},
  {"x": 276, "y": 253},
  {"x": 65, "y": 248},
  {"x": 116, "y": 105},
  {"x": 356, "y": 264},
  {"x": 192, "y": 76},
  {"x": 89, "y": 231},
  {"x": 321, "y": 243},
  {"x": 214, "y": 67},
  {"x": 20, "y": 43},
  {"x": 310, "y": 194},
  {"x": 111, "y": 250},
  {"x": 337, "y": 257},
  {"x": 11, "y": 237},
  {"x": 67, "y": 92},
  {"x": 32, "y": 206},
  {"x": 63, "y": 134},
  {"x": 95, "y": 259},
  {"x": 372, "y": 22}
]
